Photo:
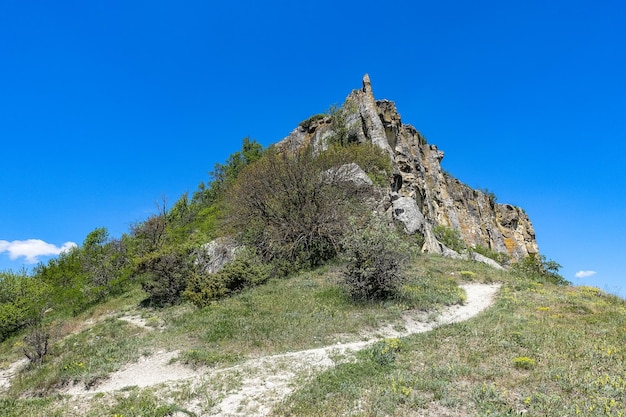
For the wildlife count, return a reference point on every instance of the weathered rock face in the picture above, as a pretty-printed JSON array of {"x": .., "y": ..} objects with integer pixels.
[
  {"x": 216, "y": 254},
  {"x": 420, "y": 195}
]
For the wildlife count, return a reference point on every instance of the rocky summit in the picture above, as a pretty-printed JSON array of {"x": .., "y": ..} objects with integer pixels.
[{"x": 421, "y": 196}]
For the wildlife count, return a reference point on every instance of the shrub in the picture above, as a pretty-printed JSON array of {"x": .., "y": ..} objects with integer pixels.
[
  {"x": 342, "y": 133},
  {"x": 67, "y": 280},
  {"x": 286, "y": 209},
  {"x": 164, "y": 274},
  {"x": 246, "y": 270},
  {"x": 524, "y": 362},
  {"x": 106, "y": 263},
  {"x": 491, "y": 196},
  {"x": 450, "y": 237},
  {"x": 149, "y": 235},
  {"x": 499, "y": 257},
  {"x": 36, "y": 344},
  {"x": 315, "y": 118},
  {"x": 384, "y": 352},
  {"x": 468, "y": 275},
  {"x": 375, "y": 256},
  {"x": 369, "y": 157}
]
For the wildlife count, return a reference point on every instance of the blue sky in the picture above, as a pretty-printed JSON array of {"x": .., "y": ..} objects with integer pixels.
[{"x": 106, "y": 107}]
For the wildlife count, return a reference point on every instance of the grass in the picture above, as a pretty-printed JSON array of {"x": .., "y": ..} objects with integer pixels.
[
  {"x": 541, "y": 350},
  {"x": 84, "y": 358},
  {"x": 305, "y": 311}
]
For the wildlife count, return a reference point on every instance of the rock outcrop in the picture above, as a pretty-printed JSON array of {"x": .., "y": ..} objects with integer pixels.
[
  {"x": 421, "y": 195},
  {"x": 216, "y": 254}
]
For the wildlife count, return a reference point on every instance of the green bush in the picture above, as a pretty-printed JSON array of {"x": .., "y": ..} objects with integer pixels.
[
  {"x": 369, "y": 157},
  {"x": 450, "y": 237},
  {"x": 288, "y": 210},
  {"x": 499, "y": 257},
  {"x": 342, "y": 134},
  {"x": 106, "y": 263},
  {"x": 491, "y": 196},
  {"x": 524, "y": 362},
  {"x": 384, "y": 352},
  {"x": 375, "y": 257},
  {"x": 315, "y": 118},
  {"x": 247, "y": 270},
  {"x": 83, "y": 276},
  {"x": 164, "y": 274}
]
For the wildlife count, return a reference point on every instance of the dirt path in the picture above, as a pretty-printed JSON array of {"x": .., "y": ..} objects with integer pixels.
[
  {"x": 254, "y": 387},
  {"x": 7, "y": 374}
]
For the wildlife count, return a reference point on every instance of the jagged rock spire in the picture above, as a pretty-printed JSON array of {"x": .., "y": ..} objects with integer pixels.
[
  {"x": 367, "y": 86},
  {"x": 421, "y": 195},
  {"x": 373, "y": 126}
]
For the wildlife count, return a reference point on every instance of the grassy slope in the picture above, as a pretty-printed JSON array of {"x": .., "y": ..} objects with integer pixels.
[
  {"x": 540, "y": 351},
  {"x": 572, "y": 340}
]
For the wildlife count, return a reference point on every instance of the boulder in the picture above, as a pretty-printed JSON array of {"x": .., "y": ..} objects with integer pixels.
[
  {"x": 217, "y": 253},
  {"x": 405, "y": 211},
  {"x": 350, "y": 173}
]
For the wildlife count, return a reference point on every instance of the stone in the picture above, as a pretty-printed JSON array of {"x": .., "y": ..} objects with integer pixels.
[
  {"x": 482, "y": 258},
  {"x": 405, "y": 211},
  {"x": 351, "y": 173},
  {"x": 216, "y": 254}
]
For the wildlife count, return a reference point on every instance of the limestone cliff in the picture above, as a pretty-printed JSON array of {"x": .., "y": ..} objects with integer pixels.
[{"x": 421, "y": 195}]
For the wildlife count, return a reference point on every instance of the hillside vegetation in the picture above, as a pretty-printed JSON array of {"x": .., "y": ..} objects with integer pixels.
[{"x": 313, "y": 266}]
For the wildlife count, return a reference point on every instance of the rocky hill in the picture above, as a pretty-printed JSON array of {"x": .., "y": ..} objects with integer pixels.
[{"x": 421, "y": 195}]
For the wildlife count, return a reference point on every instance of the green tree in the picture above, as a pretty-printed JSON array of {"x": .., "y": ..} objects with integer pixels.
[
  {"x": 67, "y": 281},
  {"x": 106, "y": 263},
  {"x": 537, "y": 268},
  {"x": 23, "y": 300},
  {"x": 223, "y": 175},
  {"x": 150, "y": 235}
]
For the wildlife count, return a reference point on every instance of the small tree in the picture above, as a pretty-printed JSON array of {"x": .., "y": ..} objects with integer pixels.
[
  {"x": 375, "y": 257},
  {"x": 104, "y": 261},
  {"x": 67, "y": 280},
  {"x": 150, "y": 235},
  {"x": 537, "y": 268},
  {"x": 223, "y": 175},
  {"x": 36, "y": 341}
]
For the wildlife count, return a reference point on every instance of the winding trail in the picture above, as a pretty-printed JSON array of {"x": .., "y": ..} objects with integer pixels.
[{"x": 254, "y": 387}]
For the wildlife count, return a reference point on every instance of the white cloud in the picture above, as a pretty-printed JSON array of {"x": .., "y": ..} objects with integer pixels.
[
  {"x": 585, "y": 274},
  {"x": 32, "y": 249}
]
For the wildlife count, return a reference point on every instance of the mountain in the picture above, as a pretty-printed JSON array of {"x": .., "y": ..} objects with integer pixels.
[
  {"x": 145, "y": 326},
  {"x": 421, "y": 196}
]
